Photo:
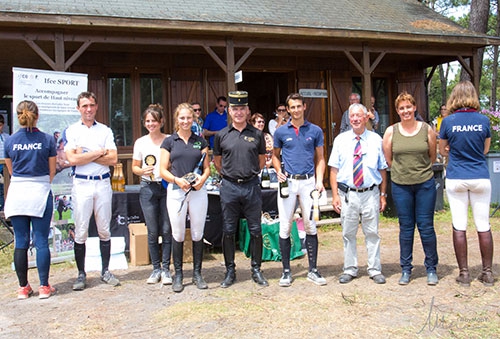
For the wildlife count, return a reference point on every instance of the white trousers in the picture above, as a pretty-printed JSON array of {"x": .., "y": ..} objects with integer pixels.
[
  {"x": 286, "y": 207},
  {"x": 478, "y": 193},
  {"x": 91, "y": 196},
  {"x": 196, "y": 203}
]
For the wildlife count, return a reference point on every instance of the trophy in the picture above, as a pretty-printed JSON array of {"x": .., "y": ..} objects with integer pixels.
[
  {"x": 192, "y": 177},
  {"x": 315, "y": 212},
  {"x": 150, "y": 160}
]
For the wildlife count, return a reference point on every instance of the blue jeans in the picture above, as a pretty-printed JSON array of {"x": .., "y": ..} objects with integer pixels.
[
  {"x": 41, "y": 230},
  {"x": 415, "y": 205},
  {"x": 2, "y": 197},
  {"x": 153, "y": 199}
]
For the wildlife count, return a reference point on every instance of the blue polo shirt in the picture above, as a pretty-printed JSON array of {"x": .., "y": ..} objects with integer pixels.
[
  {"x": 29, "y": 152},
  {"x": 215, "y": 122},
  {"x": 298, "y": 149},
  {"x": 466, "y": 131}
]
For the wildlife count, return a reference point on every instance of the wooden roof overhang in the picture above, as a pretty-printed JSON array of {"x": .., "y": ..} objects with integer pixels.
[{"x": 59, "y": 40}]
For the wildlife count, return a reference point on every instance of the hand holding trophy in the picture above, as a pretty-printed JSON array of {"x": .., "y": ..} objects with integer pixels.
[
  {"x": 150, "y": 160},
  {"x": 315, "y": 195},
  {"x": 192, "y": 177}
]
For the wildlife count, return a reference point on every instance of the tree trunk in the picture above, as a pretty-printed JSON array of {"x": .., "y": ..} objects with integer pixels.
[
  {"x": 478, "y": 22},
  {"x": 443, "y": 78},
  {"x": 494, "y": 76}
]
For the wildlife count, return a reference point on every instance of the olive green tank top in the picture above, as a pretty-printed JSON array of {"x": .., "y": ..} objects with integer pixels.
[{"x": 411, "y": 163}]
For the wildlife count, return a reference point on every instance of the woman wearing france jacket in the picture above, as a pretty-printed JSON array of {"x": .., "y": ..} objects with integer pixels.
[
  {"x": 30, "y": 156},
  {"x": 465, "y": 137}
]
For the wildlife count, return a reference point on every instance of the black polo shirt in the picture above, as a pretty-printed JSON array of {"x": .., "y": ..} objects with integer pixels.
[
  {"x": 240, "y": 151},
  {"x": 184, "y": 157}
]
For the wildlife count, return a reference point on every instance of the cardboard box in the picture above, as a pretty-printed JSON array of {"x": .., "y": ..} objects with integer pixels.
[{"x": 139, "y": 252}]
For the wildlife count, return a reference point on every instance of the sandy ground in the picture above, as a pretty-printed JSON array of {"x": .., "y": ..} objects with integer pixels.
[{"x": 245, "y": 310}]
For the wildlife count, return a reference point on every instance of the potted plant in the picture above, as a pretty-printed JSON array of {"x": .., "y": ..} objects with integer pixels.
[
  {"x": 494, "y": 117},
  {"x": 493, "y": 157}
]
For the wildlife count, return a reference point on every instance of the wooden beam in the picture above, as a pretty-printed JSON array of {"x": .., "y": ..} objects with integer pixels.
[
  {"x": 215, "y": 57},
  {"x": 231, "y": 86},
  {"x": 77, "y": 54},
  {"x": 59, "y": 64},
  {"x": 367, "y": 82},
  {"x": 104, "y": 23},
  {"x": 465, "y": 65},
  {"x": 429, "y": 76},
  {"x": 353, "y": 61},
  {"x": 59, "y": 51},
  {"x": 326, "y": 46},
  {"x": 41, "y": 53},
  {"x": 285, "y": 44},
  {"x": 377, "y": 61},
  {"x": 244, "y": 58}
]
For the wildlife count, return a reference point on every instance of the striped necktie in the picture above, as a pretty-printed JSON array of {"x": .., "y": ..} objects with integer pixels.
[{"x": 357, "y": 164}]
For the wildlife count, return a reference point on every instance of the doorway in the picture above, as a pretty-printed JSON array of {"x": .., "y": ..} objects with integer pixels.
[{"x": 265, "y": 91}]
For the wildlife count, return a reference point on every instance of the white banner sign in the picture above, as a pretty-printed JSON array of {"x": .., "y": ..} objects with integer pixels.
[{"x": 54, "y": 93}]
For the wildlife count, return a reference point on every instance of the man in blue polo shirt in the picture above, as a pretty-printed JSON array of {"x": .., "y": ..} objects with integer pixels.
[
  {"x": 216, "y": 120},
  {"x": 299, "y": 142}
]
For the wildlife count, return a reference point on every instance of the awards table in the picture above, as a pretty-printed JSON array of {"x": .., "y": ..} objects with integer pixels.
[{"x": 127, "y": 210}]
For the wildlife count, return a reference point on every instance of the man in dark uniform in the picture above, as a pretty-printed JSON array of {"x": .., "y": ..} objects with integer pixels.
[{"x": 239, "y": 155}]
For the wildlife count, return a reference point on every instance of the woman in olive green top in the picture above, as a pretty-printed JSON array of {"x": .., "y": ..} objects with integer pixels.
[{"x": 410, "y": 151}]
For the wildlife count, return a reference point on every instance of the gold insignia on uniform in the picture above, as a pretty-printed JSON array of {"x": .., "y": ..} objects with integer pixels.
[{"x": 249, "y": 139}]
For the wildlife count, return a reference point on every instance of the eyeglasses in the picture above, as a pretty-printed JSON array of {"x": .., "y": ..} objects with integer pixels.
[
  {"x": 222, "y": 106},
  {"x": 260, "y": 122},
  {"x": 197, "y": 109},
  {"x": 281, "y": 110}
]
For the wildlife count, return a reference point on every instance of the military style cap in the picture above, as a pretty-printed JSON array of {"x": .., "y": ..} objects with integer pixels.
[{"x": 238, "y": 98}]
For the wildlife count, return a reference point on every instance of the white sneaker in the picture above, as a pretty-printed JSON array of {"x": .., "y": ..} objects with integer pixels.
[
  {"x": 154, "y": 277},
  {"x": 315, "y": 277},
  {"x": 166, "y": 279},
  {"x": 286, "y": 279},
  {"x": 110, "y": 279}
]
